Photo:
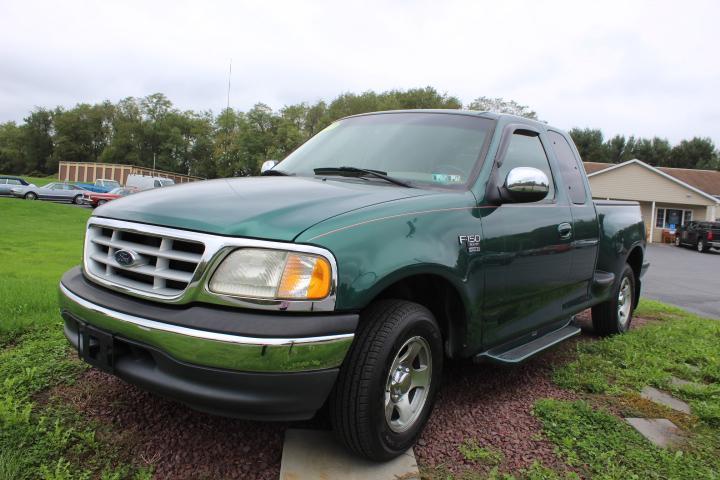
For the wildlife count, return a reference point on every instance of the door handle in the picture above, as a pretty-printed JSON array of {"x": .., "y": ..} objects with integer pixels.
[{"x": 565, "y": 230}]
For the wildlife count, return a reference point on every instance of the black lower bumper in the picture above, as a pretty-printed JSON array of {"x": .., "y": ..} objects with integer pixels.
[
  {"x": 255, "y": 396},
  {"x": 222, "y": 373}
]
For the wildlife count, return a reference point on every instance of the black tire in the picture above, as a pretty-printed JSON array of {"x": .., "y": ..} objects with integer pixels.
[
  {"x": 357, "y": 404},
  {"x": 606, "y": 316},
  {"x": 77, "y": 199},
  {"x": 30, "y": 196},
  {"x": 701, "y": 247},
  {"x": 101, "y": 202},
  {"x": 677, "y": 241}
]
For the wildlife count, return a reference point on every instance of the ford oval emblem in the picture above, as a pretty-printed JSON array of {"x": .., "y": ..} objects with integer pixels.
[{"x": 126, "y": 258}]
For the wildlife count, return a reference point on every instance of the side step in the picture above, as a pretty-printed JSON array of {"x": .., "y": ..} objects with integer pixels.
[{"x": 516, "y": 354}]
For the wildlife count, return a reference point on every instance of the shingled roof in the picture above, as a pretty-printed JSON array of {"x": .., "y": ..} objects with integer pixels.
[{"x": 706, "y": 180}]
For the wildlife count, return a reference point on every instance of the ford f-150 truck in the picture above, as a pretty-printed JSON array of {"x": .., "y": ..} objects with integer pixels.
[{"x": 350, "y": 271}]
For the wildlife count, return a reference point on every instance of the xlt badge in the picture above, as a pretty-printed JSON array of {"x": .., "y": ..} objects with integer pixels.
[{"x": 471, "y": 242}]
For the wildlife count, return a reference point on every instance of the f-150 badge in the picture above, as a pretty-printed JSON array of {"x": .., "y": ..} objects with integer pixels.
[{"x": 471, "y": 242}]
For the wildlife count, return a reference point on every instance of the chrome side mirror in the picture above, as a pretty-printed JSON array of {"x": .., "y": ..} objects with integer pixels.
[
  {"x": 268, "y": 165},
  {"x": 526, "y": 184}
]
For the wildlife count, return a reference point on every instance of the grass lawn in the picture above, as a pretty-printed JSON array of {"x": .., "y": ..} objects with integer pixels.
[
  {"x": 40, "y": 438},
  {"x": 610, "y": 373},
  {"x": 39, "y": 242}
]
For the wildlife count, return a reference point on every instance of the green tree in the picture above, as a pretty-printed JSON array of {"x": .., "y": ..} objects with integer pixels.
[
  {"x": 695, "y": 153},
  {"x": 655, "y": 152},
  {"x": 38, "y": 139},
  {"x": 12, "y": 145},
  {"x": 589, "y": 143}
]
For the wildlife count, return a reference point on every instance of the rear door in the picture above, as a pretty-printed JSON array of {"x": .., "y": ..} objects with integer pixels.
[
  {"x": 526, "y": 247},
  {"x": 586, "y": 230}
]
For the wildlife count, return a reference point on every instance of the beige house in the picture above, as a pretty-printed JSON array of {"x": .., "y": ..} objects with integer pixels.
[{"x": 668, "y": 197}]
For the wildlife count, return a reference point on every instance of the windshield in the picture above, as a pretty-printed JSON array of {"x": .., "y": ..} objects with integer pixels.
[
  {"x": 117, "y": 191},
  {"x": 110, "y": 183},
  {"x": 425, "y": 148}
]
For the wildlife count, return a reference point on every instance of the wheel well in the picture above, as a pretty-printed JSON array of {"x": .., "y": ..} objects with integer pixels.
[
  {"x": 635, "y": 260},
  {"x": 440, "y": 297}
]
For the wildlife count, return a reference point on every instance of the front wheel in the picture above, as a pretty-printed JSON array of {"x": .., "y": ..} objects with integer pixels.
[
  {"x": 615, "y": 315},
  {"x": 387, "y": 385},
  {"x": 30, "y": 196},
  {"x": 701, "y": 247},
  {"x": 77, "y": 199},
  {"x": 677, "y": 241}
]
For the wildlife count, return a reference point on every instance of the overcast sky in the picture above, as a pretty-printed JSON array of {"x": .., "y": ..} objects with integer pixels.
[{"x": 643, "y": 68}]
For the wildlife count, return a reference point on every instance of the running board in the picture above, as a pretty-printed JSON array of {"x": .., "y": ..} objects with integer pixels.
[{"x": 517, "y": 354}]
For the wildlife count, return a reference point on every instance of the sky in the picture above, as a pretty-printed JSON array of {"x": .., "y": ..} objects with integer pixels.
[{"x": 632, "y": 67}]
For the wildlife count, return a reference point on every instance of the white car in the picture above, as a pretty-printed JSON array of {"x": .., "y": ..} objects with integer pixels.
[{"x": 146, "y": 182}]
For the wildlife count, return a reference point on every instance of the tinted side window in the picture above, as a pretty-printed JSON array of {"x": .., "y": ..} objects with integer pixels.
[
  {"x": 525, "y": 150},
  {"x": 569, "y": 168}
]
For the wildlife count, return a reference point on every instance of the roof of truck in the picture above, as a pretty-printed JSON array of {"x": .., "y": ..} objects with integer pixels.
[{"x": 451, "y": 111}]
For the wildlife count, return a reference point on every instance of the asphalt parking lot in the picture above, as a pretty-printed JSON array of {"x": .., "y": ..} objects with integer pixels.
[{"x": 684, "y": 277}]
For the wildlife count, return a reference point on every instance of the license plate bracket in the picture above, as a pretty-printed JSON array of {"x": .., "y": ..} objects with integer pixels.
[{"x": 96, "y": 347}]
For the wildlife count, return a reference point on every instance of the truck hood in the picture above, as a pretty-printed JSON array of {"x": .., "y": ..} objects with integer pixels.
[{"x": 273, "y": 208}]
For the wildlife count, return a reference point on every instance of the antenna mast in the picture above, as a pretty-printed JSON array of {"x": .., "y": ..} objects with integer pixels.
[{"x": 229, "y": 77}]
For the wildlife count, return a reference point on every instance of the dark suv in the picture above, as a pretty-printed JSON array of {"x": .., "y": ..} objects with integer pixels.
[{"x": 701, "y": 235}]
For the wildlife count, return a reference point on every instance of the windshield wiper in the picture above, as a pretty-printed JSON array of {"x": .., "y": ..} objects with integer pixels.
[
  {"x": 275, "y": 173},
  {"x": 359, "y": 172}
]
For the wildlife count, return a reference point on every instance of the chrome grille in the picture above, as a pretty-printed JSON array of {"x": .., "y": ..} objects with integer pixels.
[{"x": 164, "y": 265}]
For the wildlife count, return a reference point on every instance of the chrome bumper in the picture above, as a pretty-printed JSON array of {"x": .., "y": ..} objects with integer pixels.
[{"x": 207, "y": 348}]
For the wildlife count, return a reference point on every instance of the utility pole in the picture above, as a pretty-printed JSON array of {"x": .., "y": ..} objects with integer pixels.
[{"x": 153, "y": 163}]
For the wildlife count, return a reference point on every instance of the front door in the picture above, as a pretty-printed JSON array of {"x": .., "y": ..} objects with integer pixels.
[{"x": 526, "y": 249}]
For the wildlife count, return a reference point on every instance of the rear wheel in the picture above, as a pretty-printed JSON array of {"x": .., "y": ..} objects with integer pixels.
[
  {"x": 701, "y": 247},
  {"x": 30, "y": 196},
  {"x": 387, "y": 385},
  {"x": 615, "y": 315},
  {"x": 101, "y": 202}
]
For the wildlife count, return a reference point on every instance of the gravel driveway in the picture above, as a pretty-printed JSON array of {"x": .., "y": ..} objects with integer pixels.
[
  {"x": 684, "y": 277},
  {"x": 488, "y": 403}
]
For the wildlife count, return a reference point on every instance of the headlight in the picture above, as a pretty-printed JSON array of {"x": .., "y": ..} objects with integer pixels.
[{"x": 277, "y": 274}]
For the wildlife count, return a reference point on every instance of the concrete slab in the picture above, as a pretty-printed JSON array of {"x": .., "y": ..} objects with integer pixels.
[
  {"x": 679, "y": 382},
  {"x": 657, "y": 396},
  {"x": 659, "y": 431},
  {"x": 315, "y": 454}
]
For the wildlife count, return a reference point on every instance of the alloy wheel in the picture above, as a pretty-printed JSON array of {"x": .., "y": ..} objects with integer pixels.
[
  {"x": 408, "y": 384},
  {"x": 625, "y": 299}
]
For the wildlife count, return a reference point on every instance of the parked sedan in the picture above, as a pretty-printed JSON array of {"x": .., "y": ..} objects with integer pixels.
[
  {"x": 97, "y": 199},
  {"x": 7, "y": 183},
  {"x": 57, "y": 191}
]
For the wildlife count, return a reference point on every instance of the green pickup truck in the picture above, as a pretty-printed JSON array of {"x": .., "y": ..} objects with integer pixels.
[{"x": 350, "y": 271}]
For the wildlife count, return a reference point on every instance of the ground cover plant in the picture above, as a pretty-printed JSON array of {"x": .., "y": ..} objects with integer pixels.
[{"x": 38, "y": 438}]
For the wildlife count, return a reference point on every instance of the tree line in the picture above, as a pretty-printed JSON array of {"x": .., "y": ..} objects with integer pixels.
[{"x": 152, "y": 131}]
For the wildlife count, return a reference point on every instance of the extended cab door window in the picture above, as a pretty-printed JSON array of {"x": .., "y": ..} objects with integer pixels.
[{"x": 569, "y": 168}]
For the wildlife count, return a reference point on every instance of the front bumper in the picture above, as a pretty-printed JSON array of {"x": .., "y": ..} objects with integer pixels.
[{"x": 213, "y": 359}]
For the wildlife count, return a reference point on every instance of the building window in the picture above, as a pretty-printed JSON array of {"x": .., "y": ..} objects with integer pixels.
[{"x": 672, "y": 217}]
